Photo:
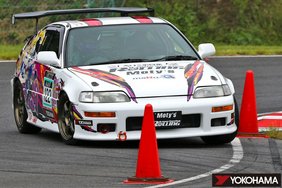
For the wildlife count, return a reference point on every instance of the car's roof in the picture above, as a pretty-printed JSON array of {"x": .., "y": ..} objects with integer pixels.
[{"x": 110, "y": 21}]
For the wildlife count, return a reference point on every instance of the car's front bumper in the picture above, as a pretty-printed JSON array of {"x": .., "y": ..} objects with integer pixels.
[{"x": 163, "y": 104}]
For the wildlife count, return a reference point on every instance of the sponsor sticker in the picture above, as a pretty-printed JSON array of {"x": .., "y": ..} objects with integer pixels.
[
  {"x": 147, "y": 69},
  {"x": 246, "y": 180},
  {"x": 168, "y": 119},
  {"x": 84, "y": 122}
]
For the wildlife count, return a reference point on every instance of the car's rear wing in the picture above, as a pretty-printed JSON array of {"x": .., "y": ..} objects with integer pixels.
[{"x": 124, "y": 11}]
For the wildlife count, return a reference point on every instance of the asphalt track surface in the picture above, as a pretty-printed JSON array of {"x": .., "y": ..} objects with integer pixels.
[{"x": 43, "y": 160}]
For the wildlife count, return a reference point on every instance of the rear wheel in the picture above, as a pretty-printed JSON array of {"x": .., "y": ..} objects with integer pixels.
[
  {"x": 20, "y": 113},
  {"x": 66, "y": 120},
  {"x": 227, "y": 138}
]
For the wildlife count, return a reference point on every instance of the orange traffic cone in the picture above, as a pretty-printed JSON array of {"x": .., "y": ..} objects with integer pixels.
[
  {"x": 248, "y": 114},
  {"x": 148, "y": 169}
]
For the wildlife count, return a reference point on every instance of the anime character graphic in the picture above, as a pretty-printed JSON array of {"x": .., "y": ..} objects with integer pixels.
[{"x": 193, "y": 73}]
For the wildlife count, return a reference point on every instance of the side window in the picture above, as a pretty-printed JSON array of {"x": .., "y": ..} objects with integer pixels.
[{"x": 51, "y": 42}]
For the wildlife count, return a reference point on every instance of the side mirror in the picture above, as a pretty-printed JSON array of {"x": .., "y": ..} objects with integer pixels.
[
  {"x": 206, "y": 49},
  {"x": 48, "y": 58}
]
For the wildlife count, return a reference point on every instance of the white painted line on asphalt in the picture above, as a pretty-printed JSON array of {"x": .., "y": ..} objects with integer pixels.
[
  {"x": 236, "y": 158},
  {"x": 270, "y": 117},
  {"x": 8, "y": 61}
]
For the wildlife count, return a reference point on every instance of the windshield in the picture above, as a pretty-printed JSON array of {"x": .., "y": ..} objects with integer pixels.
[{"x": 125, "y": 43}]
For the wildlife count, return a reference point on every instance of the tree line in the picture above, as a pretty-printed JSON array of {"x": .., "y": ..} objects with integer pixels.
[{"x": 238, "y": 22}]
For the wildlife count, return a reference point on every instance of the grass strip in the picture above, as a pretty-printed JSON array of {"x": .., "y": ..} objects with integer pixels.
[
  {"x": 222, "y": 50},
  {"x": 11, "y": 52}
]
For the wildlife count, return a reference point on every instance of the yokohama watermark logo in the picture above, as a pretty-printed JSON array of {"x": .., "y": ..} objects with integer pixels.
[{"x": 246, "y": 180}]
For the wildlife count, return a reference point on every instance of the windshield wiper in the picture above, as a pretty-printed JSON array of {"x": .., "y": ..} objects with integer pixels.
[
  {"x": 176, "y": 57},
  {"x": 128, "y": 60}
]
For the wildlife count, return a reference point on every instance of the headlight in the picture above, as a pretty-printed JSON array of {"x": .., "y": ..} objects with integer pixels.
[
  {"x": 212, "y": 91},
  {"x": 226, "y": 90},
  {"x": 103, "y": 97},
  {"x": 86, "y": 96}
]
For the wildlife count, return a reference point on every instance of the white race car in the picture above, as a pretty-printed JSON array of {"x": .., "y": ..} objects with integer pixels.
[{"x": 90, "y": 79}]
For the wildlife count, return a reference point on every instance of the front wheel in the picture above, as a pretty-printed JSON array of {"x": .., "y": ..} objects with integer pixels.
[
  {"x": 66, "y": 120},
  {"x": 227, "y": 138},
  {"x": 20, "y": 113}
]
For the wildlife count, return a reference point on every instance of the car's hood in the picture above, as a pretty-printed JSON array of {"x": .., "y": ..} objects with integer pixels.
[{"x": 149, "y": 79}]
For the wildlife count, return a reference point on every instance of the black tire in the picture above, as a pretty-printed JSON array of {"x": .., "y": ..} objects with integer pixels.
[
  {"x": 20, "y": 113},
  {"x": 227, "y": 138},
  {"x": 66, "y": 120}
]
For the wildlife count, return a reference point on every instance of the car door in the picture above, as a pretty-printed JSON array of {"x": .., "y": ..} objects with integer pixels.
[{"x": 46, "y": 74}]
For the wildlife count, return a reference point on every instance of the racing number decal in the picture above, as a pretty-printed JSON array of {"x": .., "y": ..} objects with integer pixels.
[
  {"x": 47, "y": 92},
  {"x": 48, "y": 89}
]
